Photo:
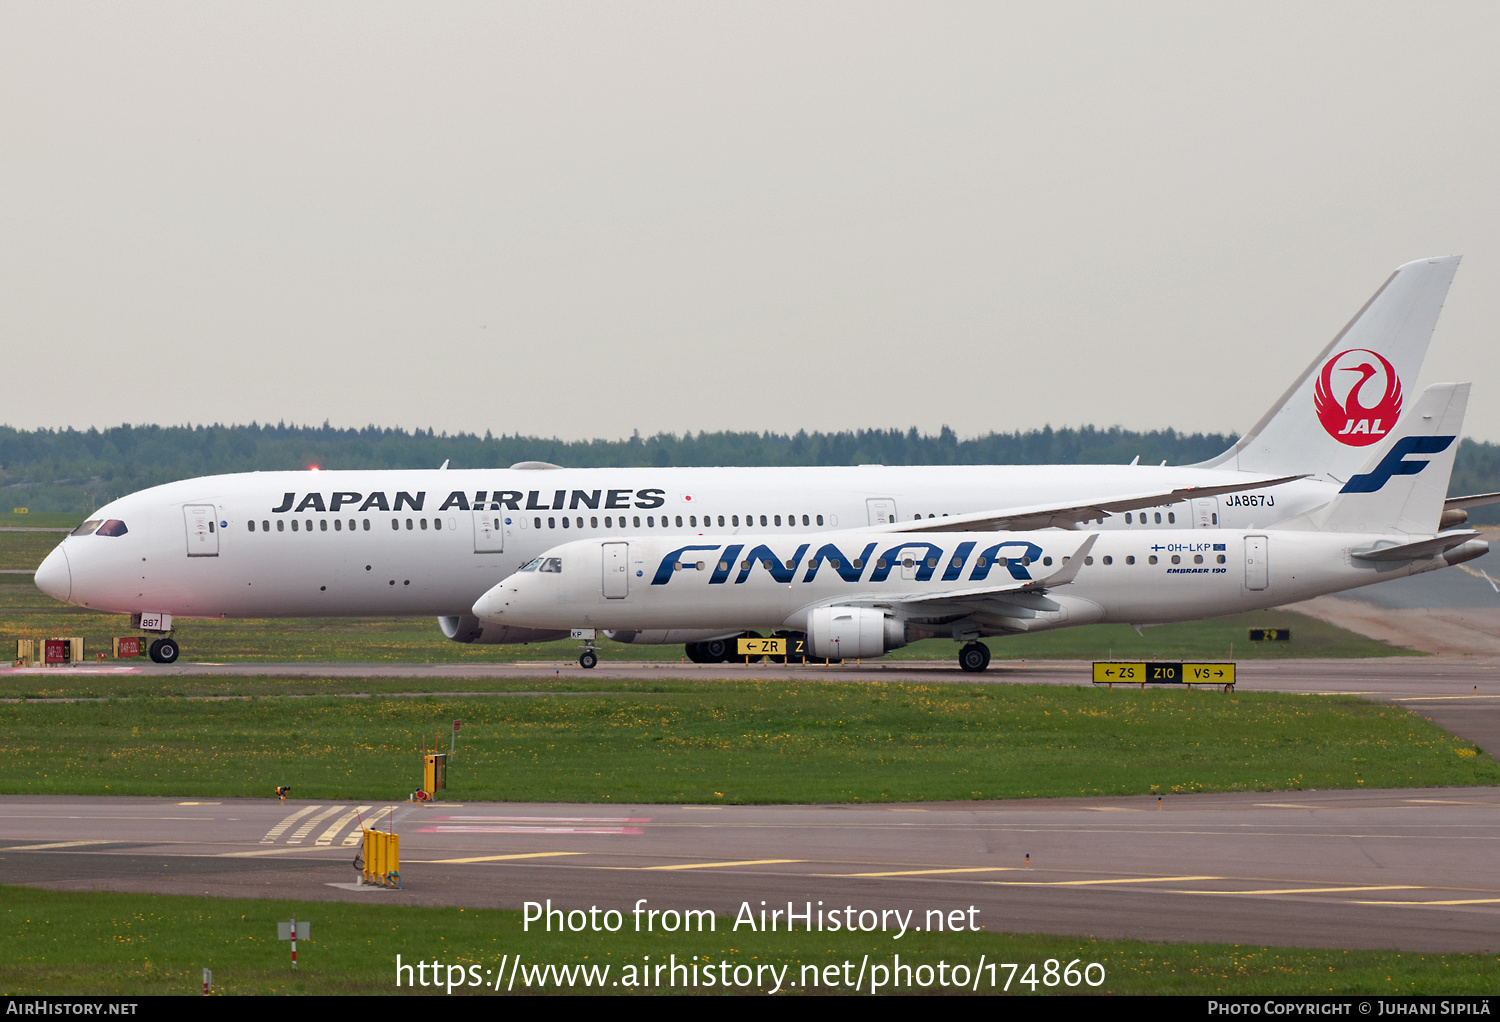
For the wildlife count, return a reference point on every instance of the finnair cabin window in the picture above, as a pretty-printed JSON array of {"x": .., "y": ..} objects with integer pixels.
[
  {"x": 551, "y": 565},
  {"x": 113, "y": 527}
]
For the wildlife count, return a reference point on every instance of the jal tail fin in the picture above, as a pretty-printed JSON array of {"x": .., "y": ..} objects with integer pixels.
[
  {"x": 1350, "y": 397},
  {"x": 1401, "y": 486}
]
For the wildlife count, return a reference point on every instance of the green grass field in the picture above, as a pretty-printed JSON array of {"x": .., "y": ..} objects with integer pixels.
[
  {"x": 26, "y": 549},
  {"x": 26, "y": 612},
  {"x": 733, "y": 742},
  {"x": 40, "y": 519},
  {"x": 81, "y": 943}
]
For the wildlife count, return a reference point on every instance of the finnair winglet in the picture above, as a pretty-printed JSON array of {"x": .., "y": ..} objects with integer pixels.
[
  {"x": 1351, "y": 396},
  {"x": 1061, "y": 577}
]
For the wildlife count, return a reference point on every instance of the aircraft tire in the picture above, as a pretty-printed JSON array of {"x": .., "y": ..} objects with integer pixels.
[
  {"x": 164, "y": 651},
  {"x": 974, "y": 657},
  {"x": 694, "y": 651},
  {"x": 587, "y": 659},
  {"x": 715, "y": 651}
]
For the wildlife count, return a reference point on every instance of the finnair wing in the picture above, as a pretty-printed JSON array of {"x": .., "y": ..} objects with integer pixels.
[
  {"x": 1067, "y": 516},
  {"x": 1061, "y": 577}
]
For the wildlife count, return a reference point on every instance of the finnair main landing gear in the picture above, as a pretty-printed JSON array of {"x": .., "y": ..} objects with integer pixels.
[
  {"x": 974, "y": 657},
  {"x": 164, "y": 651}
]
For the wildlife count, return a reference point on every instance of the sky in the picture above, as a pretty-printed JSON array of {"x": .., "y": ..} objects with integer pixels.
[{"x": 583, "y": 219}]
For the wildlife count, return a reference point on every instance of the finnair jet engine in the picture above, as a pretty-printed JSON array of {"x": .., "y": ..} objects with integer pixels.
[
  {"x": 851, "y": 632},
  {"x": 467, "y": 628}
]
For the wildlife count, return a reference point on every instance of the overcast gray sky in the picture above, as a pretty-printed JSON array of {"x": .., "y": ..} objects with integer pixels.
[{"x": 579, "y": 219}]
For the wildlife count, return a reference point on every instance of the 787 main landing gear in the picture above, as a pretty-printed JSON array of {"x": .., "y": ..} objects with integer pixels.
[
  {"x": 164, "y": 651},
  {"x": 974, "y": 657}
]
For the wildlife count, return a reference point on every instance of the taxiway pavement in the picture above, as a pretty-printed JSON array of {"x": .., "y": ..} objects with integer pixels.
[{"x": 1410, "y": 869}]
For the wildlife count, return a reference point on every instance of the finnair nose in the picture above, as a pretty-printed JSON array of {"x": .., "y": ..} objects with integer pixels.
[
  {"x": 490, "y": 606},
  {"x": 54, "y": 576}
]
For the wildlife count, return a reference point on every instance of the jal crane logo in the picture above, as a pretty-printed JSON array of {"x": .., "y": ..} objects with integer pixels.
[{"x": 1358, "y": 397}]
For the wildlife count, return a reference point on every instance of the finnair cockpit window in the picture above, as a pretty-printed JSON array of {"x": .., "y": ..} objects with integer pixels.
[
  {"x": 87, "y": 528},
  {"x": 552, "y": 565},
  {"x": 530, "y": 565},
  {"x": 113, "y": 527}
]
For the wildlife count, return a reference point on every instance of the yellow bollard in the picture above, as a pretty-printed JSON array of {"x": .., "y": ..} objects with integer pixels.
[{"x": 382, "y": 858}]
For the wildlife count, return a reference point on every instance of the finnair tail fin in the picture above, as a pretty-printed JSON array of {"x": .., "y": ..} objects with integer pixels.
[
  {"x": 1401, "y": 486},
  {"x": 1350, "y": 397}
]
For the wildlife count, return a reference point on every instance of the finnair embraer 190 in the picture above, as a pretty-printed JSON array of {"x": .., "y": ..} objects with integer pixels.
[
  {"x": 431, "y": 542},
  {"x": 862, "y": 593}
]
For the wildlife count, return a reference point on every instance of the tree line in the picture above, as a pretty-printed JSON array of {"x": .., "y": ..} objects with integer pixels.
[{"x": 75, "y": 471}]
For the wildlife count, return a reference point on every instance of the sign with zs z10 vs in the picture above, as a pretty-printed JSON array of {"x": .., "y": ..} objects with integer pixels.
[{"x": 1158, "y": 673}]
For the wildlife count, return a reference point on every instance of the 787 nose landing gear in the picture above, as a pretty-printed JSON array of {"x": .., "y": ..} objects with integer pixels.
[{"x": 164, "y": 651}]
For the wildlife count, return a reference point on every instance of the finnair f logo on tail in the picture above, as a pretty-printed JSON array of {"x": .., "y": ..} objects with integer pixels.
[{"x": 1394, "y": 465}]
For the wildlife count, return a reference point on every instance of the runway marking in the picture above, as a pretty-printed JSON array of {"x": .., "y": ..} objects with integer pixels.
[
  {"x": 1434, "y": 699},
  {"x": 326, "y": 838},
  {"x": 69, "y": 670},
  {"x": 1315, "y": 890},
  {"x": 1462, "y": 901},
  {"x": 200, "y": 803},
  {"x": 1283, "y": 805},
  {"x": 53, "y": 844},
  {"x": 501, "y": 858},
  {"x": 357, "y": 836},
  {"x": 1447, "y": 802},
  {"x": 1090, "y": 883},
  {"x": 281, "y": 828},
  {"x": 263, "y": 851},
  {"x": 720, "y": 865},
  {"x": 313, "y": 821},
  {"x": 1112, "y": 809},
  {"x": 928, "y": 872},
  {"x": 542, "y": 819},
  {"x": 470, "y": 829}
]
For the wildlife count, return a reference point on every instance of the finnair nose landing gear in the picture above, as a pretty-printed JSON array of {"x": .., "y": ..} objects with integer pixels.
[
  {"x": 164, "y": 651},
  {"x": 974, "y": 657},
  {"x": 588, "y": 658}
]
